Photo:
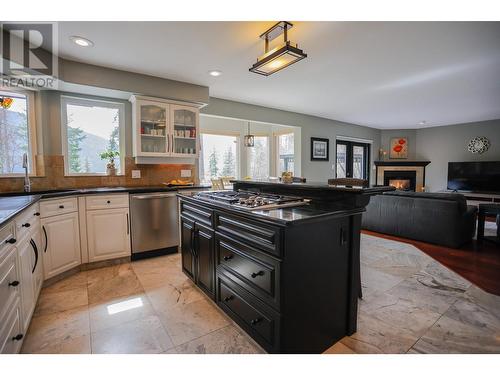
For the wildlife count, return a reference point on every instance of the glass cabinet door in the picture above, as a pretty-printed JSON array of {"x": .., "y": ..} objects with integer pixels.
[
  {"x": 184, "y": 131},
  {"x": 153, "y": 127}
]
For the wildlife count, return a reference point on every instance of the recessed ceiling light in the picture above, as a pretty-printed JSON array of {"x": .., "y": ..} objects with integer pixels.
[
  {"x": 423, "y": 122},
  {"x": 215, "y": 73},
  {"x": 82, "y": 42}
]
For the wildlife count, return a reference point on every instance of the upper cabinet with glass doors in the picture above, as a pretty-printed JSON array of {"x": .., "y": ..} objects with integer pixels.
[{"x": 164, "y": 129}]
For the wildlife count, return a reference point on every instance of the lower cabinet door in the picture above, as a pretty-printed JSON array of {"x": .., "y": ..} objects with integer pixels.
[
  {"x": 11, "y": 333},
  {"x": 61, "y": 243},
  {"x": 108, "y": 234},
  {"x": 205, "y": 254},
  {"x": 26, "y": 284},
  {"x": 187, "y": 251}
]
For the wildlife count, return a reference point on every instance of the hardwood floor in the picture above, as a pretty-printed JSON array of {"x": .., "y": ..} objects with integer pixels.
[{"x": 478, "y": 262}]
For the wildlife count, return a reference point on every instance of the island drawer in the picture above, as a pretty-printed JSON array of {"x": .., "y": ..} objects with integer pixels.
[
  {"x": 197, "y": 213},
  {"x": 249, "y": 268},
  {"x": 254, "y": 233},
  {"x": 260, "y": 322},
  {"x": 58, "y": 206}
]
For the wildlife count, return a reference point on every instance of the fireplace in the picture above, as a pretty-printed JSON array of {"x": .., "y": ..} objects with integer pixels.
[
  {"x": 404, "y": 175},
  {"x": 401, "y": 180}
]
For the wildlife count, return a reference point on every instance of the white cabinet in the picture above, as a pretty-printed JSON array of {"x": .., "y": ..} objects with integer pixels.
[
  {"x": 61, "y": 243},
  {"x": 28, "y": 298},
  {"x": 164, "y": 129},
  {"x": 108, "y": 233}
]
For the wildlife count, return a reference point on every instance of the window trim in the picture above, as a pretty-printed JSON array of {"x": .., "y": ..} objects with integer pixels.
[
  {"x": 32, "y": 132},
  {"x": 65, "y": 99}
]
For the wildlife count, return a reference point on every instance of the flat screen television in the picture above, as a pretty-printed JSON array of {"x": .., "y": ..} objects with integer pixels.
[{"x": 480, "y": 176}]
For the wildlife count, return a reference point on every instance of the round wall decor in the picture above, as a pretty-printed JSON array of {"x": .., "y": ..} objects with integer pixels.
[{"x": 478, "y": 145}]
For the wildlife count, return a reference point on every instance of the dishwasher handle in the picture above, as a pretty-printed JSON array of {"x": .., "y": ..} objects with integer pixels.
[{"x": 153, "y": 196}]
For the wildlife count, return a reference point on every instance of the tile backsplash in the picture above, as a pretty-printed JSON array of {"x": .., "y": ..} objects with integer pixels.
[{"x": 53, "y": 176}]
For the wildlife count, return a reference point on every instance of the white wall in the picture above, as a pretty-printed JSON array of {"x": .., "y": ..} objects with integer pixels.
[{"x": 219, "y": 124}]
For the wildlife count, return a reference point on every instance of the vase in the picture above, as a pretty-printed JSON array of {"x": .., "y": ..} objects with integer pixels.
[{"x": 111, "y": 169}]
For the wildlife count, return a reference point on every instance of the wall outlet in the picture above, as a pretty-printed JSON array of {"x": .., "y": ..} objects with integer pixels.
[
  {"x": 136, "y": 173},
  {"x": 185, "y": 172}
]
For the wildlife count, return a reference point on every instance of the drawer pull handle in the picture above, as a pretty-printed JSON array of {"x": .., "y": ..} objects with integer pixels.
[
  {"x": 14, "y": 283},
  {"x": 61, "y": 206},
  {"x": 228, "y": 298},
  {"x": 255, "y": 274},
  {"x": 11, "y": 240},
  {"x": 228, "y": 257},
  {"x": 18, "y": 337},
  {"x": 108, "y": 202},
  {"x": 36, "y": 214},
  {"x": 26, "y": 225},
  {"x": 255, "y": 321}
]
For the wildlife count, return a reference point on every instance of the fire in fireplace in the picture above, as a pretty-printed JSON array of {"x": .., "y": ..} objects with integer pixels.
[
  {"x": 400, "y": 184},
  {"x": 401, "y": 180}
]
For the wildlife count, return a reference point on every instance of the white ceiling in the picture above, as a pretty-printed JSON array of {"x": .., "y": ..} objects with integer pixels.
[{"x": 378, "y": 74}]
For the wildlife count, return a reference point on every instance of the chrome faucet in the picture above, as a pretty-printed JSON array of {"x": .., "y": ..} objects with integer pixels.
[{"x": 27, "y": 182}]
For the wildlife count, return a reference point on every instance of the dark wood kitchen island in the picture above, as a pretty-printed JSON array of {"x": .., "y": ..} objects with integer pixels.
[{"x": 288, "y": 276}]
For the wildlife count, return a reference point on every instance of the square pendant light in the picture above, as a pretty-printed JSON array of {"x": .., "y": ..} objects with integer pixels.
[{"x": 279, "y": 57}]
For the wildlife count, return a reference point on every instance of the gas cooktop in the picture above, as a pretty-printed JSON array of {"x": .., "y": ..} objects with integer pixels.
[{"x": 249, "y": 200}]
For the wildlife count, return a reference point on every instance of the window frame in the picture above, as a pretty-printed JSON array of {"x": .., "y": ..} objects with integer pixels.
[
  {"x": 227, "y": 133},
  {"x": 77, "y": 100},
  {"x": 270, "y": 147},
  {"x": 32, "y": 132}
]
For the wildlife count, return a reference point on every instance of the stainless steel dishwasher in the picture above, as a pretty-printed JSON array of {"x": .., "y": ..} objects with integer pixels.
[{"x": 154, "y": 224}]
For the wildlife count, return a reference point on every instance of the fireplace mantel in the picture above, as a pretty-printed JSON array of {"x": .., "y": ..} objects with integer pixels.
[
  {"x": 417, "y": 166},
  {"x": 402, "y": 163}
]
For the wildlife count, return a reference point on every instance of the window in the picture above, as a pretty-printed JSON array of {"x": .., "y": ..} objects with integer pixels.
[
  {"x": 17, "y": 132},
  {"x": 219, "y": 156},
  {"x": 258, "y": 158},
  {"x": 285, "y": 148},
  {"x": 89, "y": 128},
  {"x": 352, "y": 160}
]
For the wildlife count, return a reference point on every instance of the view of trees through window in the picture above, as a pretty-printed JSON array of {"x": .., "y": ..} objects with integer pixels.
[
  {"x": 258, "y": 158},
  {"x": 285, "y": 153},
  {"x": 91, "y": 129},
  {"x": 14, "y": 133},
  {"x": 218, "y": 156}
]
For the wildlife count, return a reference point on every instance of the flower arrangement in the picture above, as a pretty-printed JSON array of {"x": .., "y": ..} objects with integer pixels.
[{"x": 110, "y": 155}]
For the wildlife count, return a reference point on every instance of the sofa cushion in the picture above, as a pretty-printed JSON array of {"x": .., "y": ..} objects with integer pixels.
[{"x": 454, "y": 197}]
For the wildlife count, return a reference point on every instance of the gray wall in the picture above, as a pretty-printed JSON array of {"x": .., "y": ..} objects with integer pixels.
[
  {"x": 411, "y": 134},
  {"x": 311, "y": 127},
  {"x": 443, "y": 144}
]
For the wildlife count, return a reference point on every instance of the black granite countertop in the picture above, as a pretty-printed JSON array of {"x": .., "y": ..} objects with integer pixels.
[
  {"x": 316, "y": 185},
  {"x": 281, "y": 216},
  {"x": 13, "y": 203}
]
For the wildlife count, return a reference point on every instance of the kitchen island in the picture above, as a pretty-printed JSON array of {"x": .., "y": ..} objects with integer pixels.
[{"x": 288, "y": 276}]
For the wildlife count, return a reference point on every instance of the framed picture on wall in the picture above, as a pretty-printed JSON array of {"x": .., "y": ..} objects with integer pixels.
[
  {"x": 319, "y": 149},
  {"x": 399, "y": 148}
]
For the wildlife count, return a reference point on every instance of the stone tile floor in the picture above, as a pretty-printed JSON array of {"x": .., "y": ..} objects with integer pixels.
[{"x": 411, "y": 304}]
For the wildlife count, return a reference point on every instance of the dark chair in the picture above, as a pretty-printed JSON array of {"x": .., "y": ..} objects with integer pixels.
[{"x": 348, "y": 182}]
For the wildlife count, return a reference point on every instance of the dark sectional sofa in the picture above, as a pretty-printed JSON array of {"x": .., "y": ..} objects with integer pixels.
[{"x": 438, "y": 218}]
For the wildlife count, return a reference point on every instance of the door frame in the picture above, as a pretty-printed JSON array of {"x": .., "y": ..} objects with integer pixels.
[{"x": 349, "y": 157}]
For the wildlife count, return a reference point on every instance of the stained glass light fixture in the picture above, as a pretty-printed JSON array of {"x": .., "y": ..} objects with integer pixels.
[
  {"x": 280, "y": 57},
  {"x": 249, "y": 139}
]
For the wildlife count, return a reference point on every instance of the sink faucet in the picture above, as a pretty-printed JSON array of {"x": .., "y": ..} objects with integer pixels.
[{"x": 27, "y": 183}]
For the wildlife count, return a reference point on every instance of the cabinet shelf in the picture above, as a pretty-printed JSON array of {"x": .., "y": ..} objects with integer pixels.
[
  {"x": 184, "y": 125},
  {"x": 192, "y": 138},
  {"x": 152, "y": 136},
  {"x": 153, "y": 122}
]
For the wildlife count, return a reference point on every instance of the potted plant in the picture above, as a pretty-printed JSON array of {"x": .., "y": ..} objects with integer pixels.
[{"x": 110, "y": 155}]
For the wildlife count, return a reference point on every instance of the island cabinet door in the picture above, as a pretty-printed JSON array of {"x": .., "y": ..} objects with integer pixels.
[
  {"x": 205, "y": 254},
  {"x": 187, "y": 247}
]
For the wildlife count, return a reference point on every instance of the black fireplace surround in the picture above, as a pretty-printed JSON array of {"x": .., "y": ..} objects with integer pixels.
[{"x": 411, "y": 176}]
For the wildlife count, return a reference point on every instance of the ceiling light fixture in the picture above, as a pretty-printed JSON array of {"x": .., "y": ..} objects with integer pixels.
[
  {"x": 280, "y": 57},
  {"x": 248, "y": 140},
  {"x": 215, "y": 73},
  {"x": 423, "y": 122},
  {"x": 82, "y": 42}
]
